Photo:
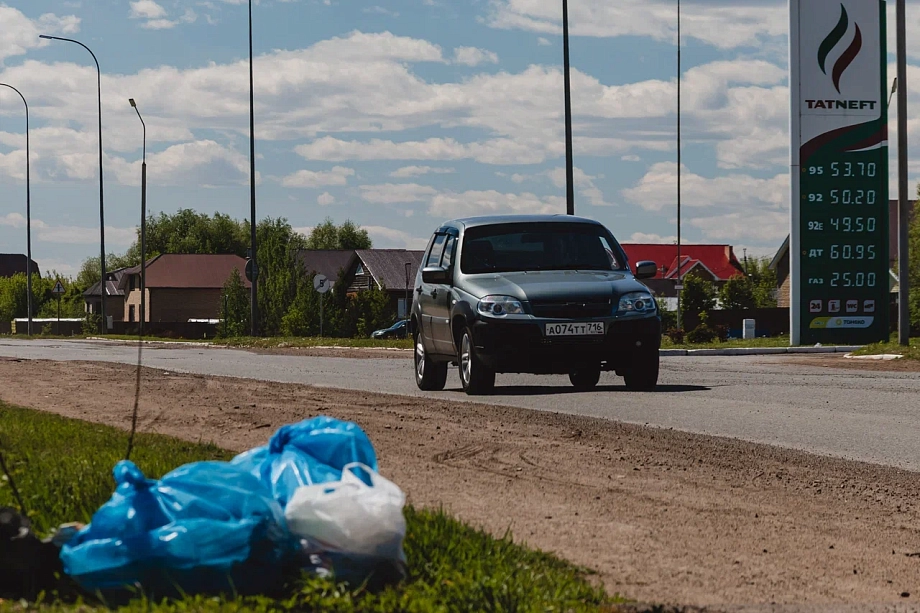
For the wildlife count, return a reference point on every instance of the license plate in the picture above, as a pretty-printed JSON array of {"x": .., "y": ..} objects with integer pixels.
[{"x": 588, "y": 328}]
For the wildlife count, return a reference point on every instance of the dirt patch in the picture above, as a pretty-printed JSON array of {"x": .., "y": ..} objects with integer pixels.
[
  {"x": 337, "y": 352},
  {"x": 662, "y": 516},
  {"x": 837, "y": 360}
]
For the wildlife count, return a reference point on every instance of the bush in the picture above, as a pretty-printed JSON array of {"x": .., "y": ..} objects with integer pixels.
[
  {"x": 676, "y": 335},
  {"x": 668, "y": 318},
  {"x": 92, "y": 324},
  {"x": 701, "y": 335}
]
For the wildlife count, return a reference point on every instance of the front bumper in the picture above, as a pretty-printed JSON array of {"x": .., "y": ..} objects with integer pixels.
[{"x": 520, "y": 345}]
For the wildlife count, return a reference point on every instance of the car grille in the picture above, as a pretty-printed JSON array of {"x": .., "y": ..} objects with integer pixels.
[{"x": 572, "y": 309}]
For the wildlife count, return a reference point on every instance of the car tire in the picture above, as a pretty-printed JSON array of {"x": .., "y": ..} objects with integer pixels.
[
  {"x": 430, "y": 376},
  {"x": 475, "y": 377},
  {"x": 585, "y": 378},
  {"x": 642, "y": 375}
]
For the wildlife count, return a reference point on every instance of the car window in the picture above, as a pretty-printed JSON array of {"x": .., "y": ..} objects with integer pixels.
[
  {"x": 434, "y": 256},
  {"x": 538, "y": 246},
  {"x": 448, "y": 258}
]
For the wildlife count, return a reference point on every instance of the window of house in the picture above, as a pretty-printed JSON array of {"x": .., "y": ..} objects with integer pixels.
[
  {"x": 131, "y": 308},
  {"x": 131, "y": 285}
]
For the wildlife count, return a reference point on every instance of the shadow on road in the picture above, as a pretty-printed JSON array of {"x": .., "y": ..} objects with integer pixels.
[{"x": 547, "y": 390}]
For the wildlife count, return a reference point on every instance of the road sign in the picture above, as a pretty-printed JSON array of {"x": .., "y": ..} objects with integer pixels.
[
  {"x": 678, "y": 287},
  {"x": 839, "y": 239},
  {"x": 252, "y": 270},
  {"x": 58, "y": 288},
  {"x": 321, "y": 284}
]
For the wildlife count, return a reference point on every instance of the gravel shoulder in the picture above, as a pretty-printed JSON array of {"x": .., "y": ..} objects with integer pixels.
[{"x": 660, "y": 515}]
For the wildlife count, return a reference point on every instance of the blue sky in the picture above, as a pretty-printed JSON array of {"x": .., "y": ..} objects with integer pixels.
[{"x": 396, "y": 114}]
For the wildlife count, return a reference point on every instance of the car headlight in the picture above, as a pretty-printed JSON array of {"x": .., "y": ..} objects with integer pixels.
[
  {"x": 500, "y": 305},
  {"x": 636, "y": 302}
]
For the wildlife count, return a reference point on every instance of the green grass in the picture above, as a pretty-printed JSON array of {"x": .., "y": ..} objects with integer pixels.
[
  {"x": 314, "y": 341},
  {"x": 911, "y": 352},
  {"x": 773, "y": 341},
  {"x": 62, "y": 468}
]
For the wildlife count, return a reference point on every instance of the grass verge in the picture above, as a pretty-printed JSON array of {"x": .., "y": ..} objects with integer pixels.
[
  {"x": 314, "y": 341},
  {"x": 773, "y": 341},
  {"x": 912, "y": 352},
  {"x": 62, "y": 468}
]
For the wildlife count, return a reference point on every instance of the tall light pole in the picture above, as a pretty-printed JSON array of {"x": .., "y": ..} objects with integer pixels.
[
  {"x": 903, "y": 217},
  {"x": 143, "y": 223},
  {"x": 680, "y": 284},
  {"x": 254, "y": 305},
  {"x": 569, "y": 162},
  {"x": 102, "y": 285},
  {"x": 28, "y": 213}
]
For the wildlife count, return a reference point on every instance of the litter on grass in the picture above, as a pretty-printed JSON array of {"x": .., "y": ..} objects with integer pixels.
[{"x": 309, "y": 500}]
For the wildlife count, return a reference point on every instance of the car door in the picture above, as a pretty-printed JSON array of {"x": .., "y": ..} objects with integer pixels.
[
  {"x": 440, "y": 304},
  {"x": 428, "y": 293}
]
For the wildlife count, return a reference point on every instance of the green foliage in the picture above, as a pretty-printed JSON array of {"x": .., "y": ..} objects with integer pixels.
[
  {"x": 737, "y": 293},
  {"x": 279, "y": 267},
  {"x": 235, "y": 307},
  {"x": 453, "y": 567},
  {"x": 668, "y": 318},
  {"x": 914, "y": 268},
  {"x": 91, "y": 268},
  {"x": 186, "y": 231},
  {"x": 763, "y": 281},
  {"x": 703, "y": 333},
  {"x": 698, "y": 295},
  {"x": 329, "y": 236},
  {"x": 14, "y": 297}
]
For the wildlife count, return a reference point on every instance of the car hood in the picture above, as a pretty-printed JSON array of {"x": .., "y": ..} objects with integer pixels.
[{"x": 549, "y": 286}]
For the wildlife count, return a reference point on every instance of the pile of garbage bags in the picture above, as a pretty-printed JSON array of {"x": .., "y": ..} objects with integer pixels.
[{"x": 310, "y": 500}]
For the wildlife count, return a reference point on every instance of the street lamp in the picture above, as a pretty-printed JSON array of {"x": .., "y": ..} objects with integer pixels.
[
  {"x": 679, "y": 280},
  {"x": 254, "y": 305},
  {"x": 102, "y": 286},
  {"x": 143, "y": 223},
  {"x": 28, "y": 213},
  {"x": 569, "y": 163},
  {"x": 903, "y": 217},
  {"x": 407, "y": 307}
]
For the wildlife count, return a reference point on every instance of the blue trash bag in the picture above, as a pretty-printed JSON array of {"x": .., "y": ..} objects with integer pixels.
[
  {"x": 307, "y": 453},
  {"x": 206, "y": 527}
]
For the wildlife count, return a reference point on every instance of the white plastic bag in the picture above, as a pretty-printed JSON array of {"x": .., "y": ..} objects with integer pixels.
[{"x": 350, "y": 517}]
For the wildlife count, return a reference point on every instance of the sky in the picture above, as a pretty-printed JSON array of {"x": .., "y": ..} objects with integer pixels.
[{"x": 401, "y": 114}]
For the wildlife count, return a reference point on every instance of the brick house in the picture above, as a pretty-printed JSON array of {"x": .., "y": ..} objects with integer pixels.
[
  {"x": 14, "y": 264},
  {"x": 180, "y": 286},
  {"x": 715, "y": 263},
  {"x": 781, "y": 262},
  {"x": 114, "y": 297}
]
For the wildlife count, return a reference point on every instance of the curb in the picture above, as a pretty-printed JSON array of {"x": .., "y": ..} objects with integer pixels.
[{"x": 734, "y": 351}]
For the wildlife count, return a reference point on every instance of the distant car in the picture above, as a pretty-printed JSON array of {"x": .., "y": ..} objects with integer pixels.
[
  {"x": 532, "y": 294},
  {"x": 397, "y": 330}
]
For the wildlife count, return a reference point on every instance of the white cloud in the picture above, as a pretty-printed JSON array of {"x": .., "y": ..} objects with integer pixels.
[
  {"x": 147, "y": 9},
  {"x": 338, "y": 175},
  {"x": 543, "y": 42},
  {"x": 325, "y": 199},
  {"x": 155, "y": 15},
  {"x": 379, "y": 10},
  {"x": 472, "y": 56},
  {"x": 416, "y": 171},
  {"x": 491, "y": 202},
  {"x": 393, "y": 193},
  {"x": 384, "y": 237},
  {"x": 631, "y": 158},
  {"x": 19, "y": 33},
  {"x": 583, "y": 183},
  {"x": 71, "y": 235},
  {"x": 642, "y": 237}
]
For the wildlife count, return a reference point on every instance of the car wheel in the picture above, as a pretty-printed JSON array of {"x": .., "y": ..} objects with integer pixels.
[
  {"x": 429, "y": 375},
  {"x": 475, "y": 377},
  {"x": 585, "y": 378},
  {"x": 642, "y": 375}
]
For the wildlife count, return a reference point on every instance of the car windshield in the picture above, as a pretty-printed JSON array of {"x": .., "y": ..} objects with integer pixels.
[{"x": 538, "y": 246}]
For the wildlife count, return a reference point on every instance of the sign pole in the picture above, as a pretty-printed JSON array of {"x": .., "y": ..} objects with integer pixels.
[
  {"x": 903, "y": 217},
  {"x": 321, "y": 315},
  {"x": 59, "y": 315}
]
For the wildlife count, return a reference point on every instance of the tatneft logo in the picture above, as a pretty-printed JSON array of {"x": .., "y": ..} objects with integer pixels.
[{"x": 840, "y": 66}]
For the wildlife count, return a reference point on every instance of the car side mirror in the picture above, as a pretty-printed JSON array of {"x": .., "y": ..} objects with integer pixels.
[
  {"x": 646, "y": 269},
  {"x": 435, "y": 275}
]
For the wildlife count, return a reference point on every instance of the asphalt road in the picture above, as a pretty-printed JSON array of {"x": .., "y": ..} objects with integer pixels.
[{"x": 863, "y": 415}]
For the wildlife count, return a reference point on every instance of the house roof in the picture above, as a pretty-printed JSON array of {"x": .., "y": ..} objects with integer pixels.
[
  {"x": 327, "y": 262},
  {"x": 719, "y": 260},
  {"x": 388, "y": 266},
  {"x": 780, "y": 253},
  {"x": 15, "y": 263},
  {"x": 189, "y": 271},
  {"x": 111, "y": 285}
]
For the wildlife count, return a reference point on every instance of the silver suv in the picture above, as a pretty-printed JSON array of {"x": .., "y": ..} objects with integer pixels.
[{"x": 532, "y": 294}]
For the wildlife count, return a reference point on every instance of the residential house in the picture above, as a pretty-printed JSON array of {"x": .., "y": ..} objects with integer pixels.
[
  {"x": 180, "y": 286},
  {"x": 715, "y": 263},
  {"x": 114, "y": 296},
  {"x": 781, "y": 262},
  {"x": 364, "y": 269},
  {"x": 15, "y": 263}
]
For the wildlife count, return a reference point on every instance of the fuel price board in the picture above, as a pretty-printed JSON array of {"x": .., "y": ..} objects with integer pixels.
[{"x": 839, "y": 240}]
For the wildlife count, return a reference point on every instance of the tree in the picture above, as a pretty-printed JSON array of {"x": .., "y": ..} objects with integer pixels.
[
  {"x": 329, "y": 236},
  {"x": 914, "y": 269},
  {"x": 738, "y": 293},
  {"x": 763, "y": 282},
  {"x": 234, "y": 305},
  {"x": 278, "y": 245},
  {"x": 698, "y": 295},
  {"x": 90, "y": 269}
]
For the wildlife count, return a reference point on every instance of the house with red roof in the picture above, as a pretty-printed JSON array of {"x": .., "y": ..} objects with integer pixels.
[{"x": 716, "y": 263}]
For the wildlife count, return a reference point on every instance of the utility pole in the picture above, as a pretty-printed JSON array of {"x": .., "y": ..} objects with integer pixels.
[
  {"x": 680, "y": 284},
  {"x": 903, "y": 217},
  {"x": 569, "y": 157},
  {"x": 254, "y": 303}
]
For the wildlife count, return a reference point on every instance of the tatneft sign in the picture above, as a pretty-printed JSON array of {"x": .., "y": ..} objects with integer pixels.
[{"x": 839, "y": 172}]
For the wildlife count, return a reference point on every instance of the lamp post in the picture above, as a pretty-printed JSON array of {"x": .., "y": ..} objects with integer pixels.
[
  {"x": 406, "y": 310},
  {"x": 679, "y": 280},
  {"x": 28, "y": 213},
  {"x": 903, "y": 218},
  {"x": 143, "y": 223},
  {"x": 102, "y": 285},
  {"x": 569, "y": 163},
  {"x": 254, "y": 305}
]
